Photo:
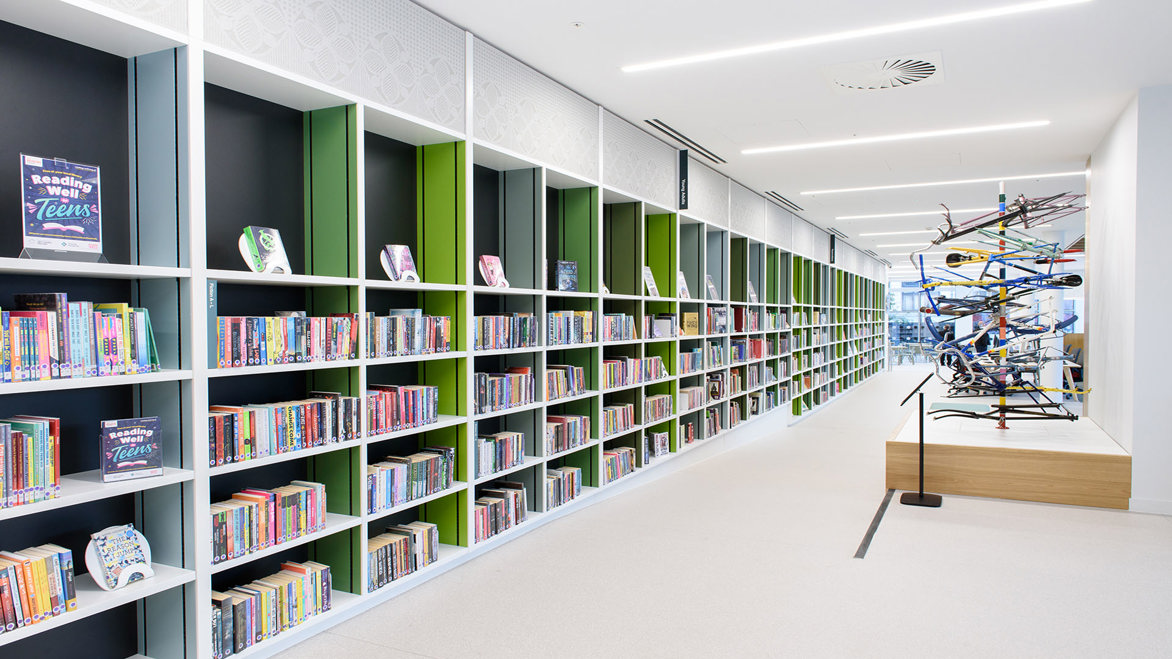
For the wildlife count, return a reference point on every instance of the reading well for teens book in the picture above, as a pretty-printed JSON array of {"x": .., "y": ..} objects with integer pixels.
[{"x": 131, "y": 448}]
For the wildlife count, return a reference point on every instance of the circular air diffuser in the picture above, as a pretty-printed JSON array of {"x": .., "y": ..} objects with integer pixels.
[{"x": 884, "y": 74}]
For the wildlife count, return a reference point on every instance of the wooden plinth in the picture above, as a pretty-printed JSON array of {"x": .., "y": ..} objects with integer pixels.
[{"x": 1081, "y": 479}]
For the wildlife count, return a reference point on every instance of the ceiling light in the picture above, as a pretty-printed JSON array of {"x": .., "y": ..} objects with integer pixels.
[
  {"x": 876, "y": 216},
  {"x": 991, "y": 179},
  {"x": 890, "y": 28},
  {"x": 896, "y": 233},
  {"x": 899, "y": 137}
]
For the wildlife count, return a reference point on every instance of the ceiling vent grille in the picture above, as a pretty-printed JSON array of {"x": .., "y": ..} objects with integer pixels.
[
  {"x": 786, "y": 203},
  {"x": 887, "y": 73},
  {"x": 685, "y": 140}
]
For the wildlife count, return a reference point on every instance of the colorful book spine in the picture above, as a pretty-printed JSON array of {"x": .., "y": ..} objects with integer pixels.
[
  {"x": 618, "y": 462},
  {"x": 500, "y": 507},
  {"x": 256, "y": 519},
  {"x": 255, "y": 612},
  {"x": 562, "y": 484},
  {"x": 36, "y": 584},
  {"x": 399, "y": 551},
  {"x": 396, "y": 480},
  {"x": 268, "y": 340}
]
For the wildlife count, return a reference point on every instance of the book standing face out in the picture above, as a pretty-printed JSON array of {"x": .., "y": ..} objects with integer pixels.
[
  {"x": 682, "y": 286},
  {"x": 131, "y": 448},
  {"x": 649, "y": 281},
  {"x": 566, "y": 275},
  {"x": 398, "y": 264},
  {"x": 492, "y": 271},
  {"x": 62, "y": 205},
  {"x": 712, "y": 294},
  {"x": 263, "y": 250}
]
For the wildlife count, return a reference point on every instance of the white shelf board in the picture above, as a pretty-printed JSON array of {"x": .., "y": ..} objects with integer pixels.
[
  {"x": 416, "y": 286},
  {"x": 92, "y": 600},
  {"x": 623, "y": 342},
  {"x": 442, "y": 421},
  {"x": 529, "y": 461},
  {"x": 46, "y": 268},
  {"x": 569, "y": 399},
  {"x": 93, "y": 25},
  {"x": 622, "y": 433},
  {"x": 581, "y": 294},
  {"x": 270, "y": 279},
  {"x": 334, "y": 524},
  {"x": 575, "y": 449},
  {"x": 507, "y": 351},
  {"x": 340, "y": 602},
  {"x": 282, "y": 368},
  {"x": 494, "y": 290},
  {"x": 87, "y": 486},
  {"x": 408, "y": 359},
  {"x": 283, "y": 457},
  {"x": 572, "y": 346},
  {"x": 457, "y": 486},
  {"x": 509, "y": 410},
  {"x": 445, "y": 553},
  {"x": 86, "y": 383}
]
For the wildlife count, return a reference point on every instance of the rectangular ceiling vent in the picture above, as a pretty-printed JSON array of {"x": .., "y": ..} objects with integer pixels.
[
  {"x": 685, "y": 140},
  {"x": 773, "y": 194},
  {"x": 874, "y": 254},
  {"x": 838, "y": 233}
]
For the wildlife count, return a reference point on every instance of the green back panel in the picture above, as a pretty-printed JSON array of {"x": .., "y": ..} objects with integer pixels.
[
  {"x": 331, "y": 191},
  {"x": 440, "y": 216},
  {"x": 621, "y": 264},
  {"x": 661, "y": 251},
  {"x": 575, "y": 232}
]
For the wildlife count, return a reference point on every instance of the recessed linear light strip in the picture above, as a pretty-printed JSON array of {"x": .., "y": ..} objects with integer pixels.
[
  {"x": 904, "y": 186},
  {"x": 890, "y": 28},
  {"x": 899, "y": 137},
  {"x": 878, "y": 216}
]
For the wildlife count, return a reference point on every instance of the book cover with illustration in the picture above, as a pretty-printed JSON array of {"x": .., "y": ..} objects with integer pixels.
[
  {"x": 263, "y": 250},
  {"x": 566, "y": 273},
  {"x": 649, "y": 281},
  {"x": 682, "y": 286},
  {"x": 117, "y": 556},
  {"x": 131, "y": 448},
  {"x": 62, "y": 205},
  {"x": 398, "y": 264},
  {"x": 492, "y": 271}
]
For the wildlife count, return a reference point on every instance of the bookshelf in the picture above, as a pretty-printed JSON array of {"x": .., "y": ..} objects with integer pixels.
[{"x": 218, "y": 141}]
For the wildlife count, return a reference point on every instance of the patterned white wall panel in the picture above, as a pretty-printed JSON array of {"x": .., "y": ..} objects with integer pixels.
[
  {"x": 746, "y": 211},
  {"x": 778, "y": 226},
  {"x": 638, "y": 163},
  {"x": 393, "y": 52},
  {"x": 821, "y": 245},
  {"x": 803, "y": 238},
  {"x": 707, "y": 194},
  {"x": 532, "y": 115},
  {"x": 166, "y": 13}
]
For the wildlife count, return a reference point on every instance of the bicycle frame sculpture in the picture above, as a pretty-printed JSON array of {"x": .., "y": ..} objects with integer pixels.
[{"x": 1003, "y": 356}]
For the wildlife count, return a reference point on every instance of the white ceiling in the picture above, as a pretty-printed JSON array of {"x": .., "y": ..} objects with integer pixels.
[{"x": 1076, "y": 66}]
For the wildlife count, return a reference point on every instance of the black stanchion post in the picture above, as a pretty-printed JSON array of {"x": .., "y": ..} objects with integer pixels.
[{"x": 919, "y": 498}]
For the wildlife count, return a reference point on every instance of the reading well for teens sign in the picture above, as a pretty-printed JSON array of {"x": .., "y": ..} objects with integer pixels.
[{"x": 62, "y": 205}]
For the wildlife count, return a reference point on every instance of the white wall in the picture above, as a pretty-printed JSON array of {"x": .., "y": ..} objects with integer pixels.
[
  {"x": 1127, "y": 329},
  {"x": 1110, "y": 287},
  {"x": 1151, "y": 488}
]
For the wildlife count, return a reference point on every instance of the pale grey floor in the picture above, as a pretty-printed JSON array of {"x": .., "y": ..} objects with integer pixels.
[{"x": 749, "y": 554}]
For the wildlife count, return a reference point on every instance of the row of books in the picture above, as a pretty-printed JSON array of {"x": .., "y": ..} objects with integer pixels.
[
  {"x": 711, "y": 422},
  {"x": 564, "y": 432},
  {"x": 255, "y": 519},
  {"x": 776, "y": 321},
  {"x": 569, "y": 327},
  {"x": 399, "y": 551},
  {"x": 734, "y": 413},
  {"x": 563, "y": 381},
  {"x": 618, "y": 327},
  {"x": 255, "y": 612},
  {"x": 500, "y": 507},
  {"x": 753, "y": 378},
  {"x": 499, "y": 451},
  {"x": 617, "y": 418},
  {"x": 398, "y": 479},
  {"x": 661, "y": 325},
  {"x": 736, "y": 382},
  {"x": 691, "y": 361},
  {"x": 36, "y": 584},
  {"x": 658, "y": 444},
  {"x": 501, "y": 391},
  {"x": 626, "y": 371},
  {"x": 30, "y": 460},
  {"x": 285, "y": 339},
  {"x": 717, "y": 354},
  {"x": 407, "y": 332},
  {"x": 691, "y": 398},
  {"x": 500, "y": 332},
  {"x": 717, "y": 320},
  {"x": 47, "y": 337},
  {"x": 717, "y": 386},
  {"x": 656, "y": 408},
  {"x": 687, "y": 433},
  {"x": 746, "y": 320},
  {"x": 395, "y": 407},
  {"x": 747, "y": 349},
  {"x": 562, "y": 484},
  {"x": 238, "y": 433},
  {"x": 618, "y": 462}
]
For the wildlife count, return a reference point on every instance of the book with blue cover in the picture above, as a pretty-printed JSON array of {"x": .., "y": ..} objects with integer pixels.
[{"x": 131, "y": 448}]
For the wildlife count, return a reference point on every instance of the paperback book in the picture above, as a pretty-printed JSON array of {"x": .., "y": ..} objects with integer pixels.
[
  {"x": 682, "y": 286},
  {"x": 712, "y": 294},
  {"x": 566, "y": 275},
  {"x": 649, "y": 280},
  {"x": 131, "y": 448},
  {"x": 492, "y": 271},
  {"x": 117, "y": 556},
  {"x": 263, "y": 250},
  {"x": 398, "y": 264}
]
